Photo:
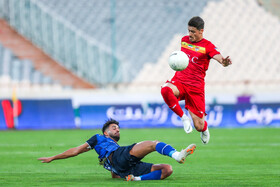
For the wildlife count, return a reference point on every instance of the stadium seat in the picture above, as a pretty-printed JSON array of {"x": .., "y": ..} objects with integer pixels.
[{"x": 15, "y": 71}]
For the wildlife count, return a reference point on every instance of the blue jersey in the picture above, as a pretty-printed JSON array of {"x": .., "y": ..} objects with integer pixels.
[{"x": 103, "y": 146}]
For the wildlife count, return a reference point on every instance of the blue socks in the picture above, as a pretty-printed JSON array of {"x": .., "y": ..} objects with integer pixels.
[
  {"x": 155, "y": 175},
  {"x": 165, "y": 149}
]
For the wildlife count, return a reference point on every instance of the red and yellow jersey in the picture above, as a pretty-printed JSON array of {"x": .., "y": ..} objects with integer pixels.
[{"x": 199, "y": 54}]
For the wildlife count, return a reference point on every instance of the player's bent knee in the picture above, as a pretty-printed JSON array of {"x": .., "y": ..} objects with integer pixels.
[
  {"x": 169, "y": 170},
  {"x": 166, "y": 171},
  {"x": 156, "y": 142}
]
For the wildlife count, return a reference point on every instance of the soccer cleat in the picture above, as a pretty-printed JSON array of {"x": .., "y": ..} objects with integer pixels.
[
  {"x": 187, "y": 123},
  {"x": 205, "y": 136},
  {"x": 129, "y": 178},
  {"x": 185, "y": 152}
]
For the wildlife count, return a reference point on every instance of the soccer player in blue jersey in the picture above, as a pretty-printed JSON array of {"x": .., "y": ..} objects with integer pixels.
[{"x": 125, "y": 161}]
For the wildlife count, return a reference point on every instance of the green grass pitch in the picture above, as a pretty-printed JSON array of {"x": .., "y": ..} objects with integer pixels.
[{"x": 234, "y": 157}]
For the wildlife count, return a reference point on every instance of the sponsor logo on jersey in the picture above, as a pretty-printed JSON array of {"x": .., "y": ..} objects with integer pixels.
[{"x": 194, "y": 47}]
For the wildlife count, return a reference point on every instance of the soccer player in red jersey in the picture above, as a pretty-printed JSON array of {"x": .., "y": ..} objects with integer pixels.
[{"x": 189, "y": 84}]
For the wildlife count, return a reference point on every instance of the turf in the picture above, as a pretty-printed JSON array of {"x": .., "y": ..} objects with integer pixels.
[{"x": 234, "y": 157}]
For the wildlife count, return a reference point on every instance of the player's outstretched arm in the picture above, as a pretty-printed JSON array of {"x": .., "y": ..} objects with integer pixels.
[
  {"x": 69, "y": 153},
  {"x": 224, "y": 61}
]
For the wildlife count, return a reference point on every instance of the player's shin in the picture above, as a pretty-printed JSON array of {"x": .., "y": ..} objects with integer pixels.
[{"x": 165, "y": 149}]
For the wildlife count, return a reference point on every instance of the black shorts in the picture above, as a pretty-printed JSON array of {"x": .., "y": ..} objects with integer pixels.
[{"x": 125, "y": 164}]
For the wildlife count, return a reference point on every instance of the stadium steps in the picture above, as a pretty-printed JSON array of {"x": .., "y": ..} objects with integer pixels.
[{"x": 24, "y": 49}]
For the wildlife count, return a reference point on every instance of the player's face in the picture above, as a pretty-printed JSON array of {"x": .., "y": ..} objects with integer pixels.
[
  {"x": 113, "y": 131},
  {"x": 195, "y": 34}
]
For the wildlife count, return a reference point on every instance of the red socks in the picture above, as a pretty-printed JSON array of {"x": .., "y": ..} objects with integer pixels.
[
  {"x": 172, "y": 101},
  {"x": 205, "y": 126}
]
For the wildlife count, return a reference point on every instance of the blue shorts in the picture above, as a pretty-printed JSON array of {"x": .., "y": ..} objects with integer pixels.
[{"x": 125, "y": 164}]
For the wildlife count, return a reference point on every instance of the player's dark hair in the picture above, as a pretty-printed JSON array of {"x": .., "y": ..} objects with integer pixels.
[
  {"x": 196, "y": 22},
  {"x": 108, "y": 123}
]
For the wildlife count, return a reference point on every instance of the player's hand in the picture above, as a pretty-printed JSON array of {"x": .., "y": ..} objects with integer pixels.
[
  {"x": 226, "y": 61},
  {"x": 45, "y": 159}
]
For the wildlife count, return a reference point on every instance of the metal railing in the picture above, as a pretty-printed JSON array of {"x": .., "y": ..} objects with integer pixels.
[{"x": 65, "y": 43}]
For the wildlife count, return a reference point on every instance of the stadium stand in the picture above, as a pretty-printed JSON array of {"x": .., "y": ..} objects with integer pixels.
[
  {"x": 30, "y": 56},
  {"x": 127, "y": 43},
  {"x": 250, "y": 42},
  {"x": 113, "y": 39}
]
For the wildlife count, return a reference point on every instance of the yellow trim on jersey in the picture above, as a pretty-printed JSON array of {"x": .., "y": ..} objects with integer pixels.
[{"x": 194, "y": 47}]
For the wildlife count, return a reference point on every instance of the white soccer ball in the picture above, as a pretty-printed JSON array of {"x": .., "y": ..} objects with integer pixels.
[{"x": 178, "y": 60}]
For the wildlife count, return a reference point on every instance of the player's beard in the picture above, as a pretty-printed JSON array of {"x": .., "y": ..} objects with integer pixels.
[{"x": 116, "y": 138}]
